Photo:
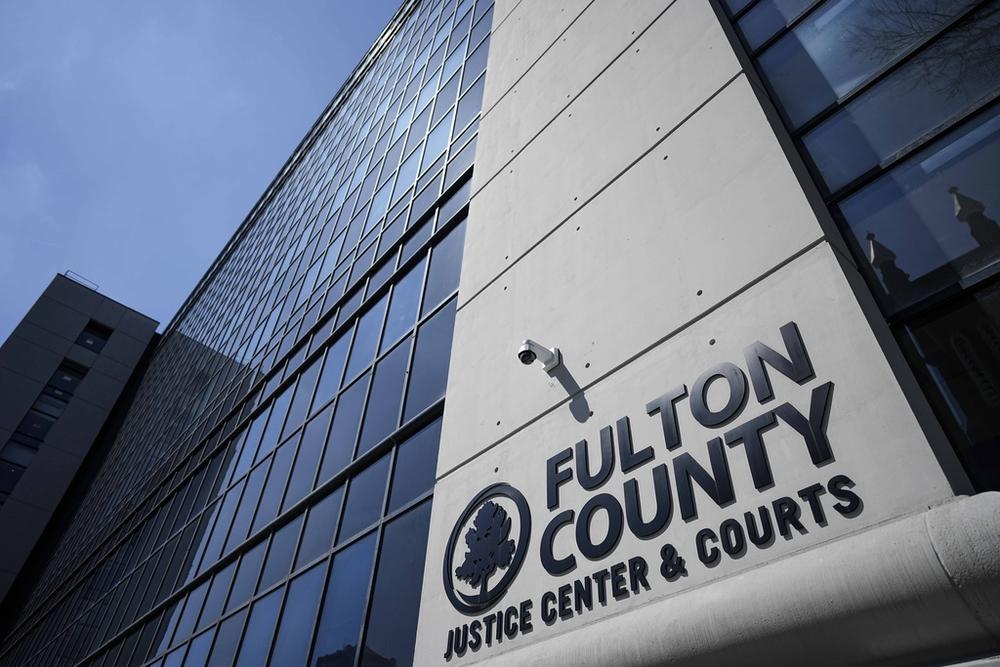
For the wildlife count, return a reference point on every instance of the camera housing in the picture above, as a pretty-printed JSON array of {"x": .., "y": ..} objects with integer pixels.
[{"x": 530, "y": 351}]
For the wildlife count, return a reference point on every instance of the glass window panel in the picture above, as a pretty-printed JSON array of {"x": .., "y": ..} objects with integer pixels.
[
  {"x": 246, "y": 576},
  {"x": 339, "y": 628},
  {"x": 36, "y": 424},
  {"x": 475, "y": 64},
  {"x": 382, "y": 414},
  {"x": 932, "y": 221},
  {"x": 274, "y": 423},
  {"x": 321, "y": 524},
  {"x": 365, "y": 495},
  {"x": 198, "y": 650},
  {"x": 767, "y": 18},
  {"x": 437, "y": 141},
  {"x": 366, "y": 338},
  {"x": 216, "y": 597},
  {"x": 192, "y": 608},
  {"x": 270, "y": 499},
  {"x": 416, "y": 464},
  {"x": 18, "y": 453},
  {"x": 225, "y": 518},
  {"x": 260, "y": 628},
  {"x": 957, "y": 360},
  {"x": 227, "y": 638},
  {"x": 333, "y": 368},
  {"x": 67, "y": 378},
  {"x": 446, "y": 265},
  {"x": 469, "y": 106},
  {"x": 176, "y": 658},
  {"x": 279, "y": 556},
  {"x": 248, "y": 504},
  {"x": 460, "y": 163},
  {"x": 291, "y": 646},
  {"x": 954, "y": 74},
  {"x": 445, "y": 98},
  {"x": 346, "y": 421},
  {"x": 392, "y": 623},
  {"x": 403, "y": 307},
  {"x": 429, "y": 372},
  {"x": 842, "y": 44},
  {"x": 301, "y": 481},
  {"x": 303, "y": 395},
  {"x": 417, "y": 130},
  {"x": 407, "y": 175}
]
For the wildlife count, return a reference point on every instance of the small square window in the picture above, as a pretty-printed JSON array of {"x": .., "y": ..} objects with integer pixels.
[
  {"x": 65, "y": 380},
  {"x": 94, "y": 336}
]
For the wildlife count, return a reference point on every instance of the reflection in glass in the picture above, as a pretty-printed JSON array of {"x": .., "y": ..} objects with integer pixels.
[
  {"x": 429, "y": 372},
  {"x": 246, "y": 576},
  {"x": 386, "y": 395},
  {"x": 842, "y": 44},
  {"x": 446, "y": 264},
  {"x": 403, "y": 309},
  {"x": 336, "y": 641},
  {"x": 279, "y": 556},
  {"x": 364, "y": 498},
  {"x": 392, "y": 623},
  {"x": 956, "y": 73},
  {"x": 260, "y": 627},
  {"x": 932, "y": 221},
  {"x": 416, "y": 463},
  {"x": 291, "y": 646},
  {"x": 958, "y": 362},
  {"x": 366, "y": 339},
  {"x": 226, "y": 639},
  {"x": 313, "y": 439},
  {"x": 321, "y": 524},
  {"x": 343, "y": 433},
  {"x": 767, "y": 18}
]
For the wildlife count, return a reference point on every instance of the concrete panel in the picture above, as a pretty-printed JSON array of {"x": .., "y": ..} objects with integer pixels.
[
  {"x": 596, "y": 38},
  {"x": 57, "y": 317},
  {"x": 110, "y": 367},
  {"x": 502, "y": 9},
  {"x": 676, "y": 237},
  {"x": 17, "y": 393},
  {"x": 74, "y": 295},
  {"x": 523, "y": 33},
  {"x": 679, "y": 63},
  {"x": 109, "y": 313},
  {"x": 56, "y": 341},
  {"x": 75, "y": 431},
  {"x": 124, "y": 348},
  {"x": 137, "y": 326},
  {"x": 81, "y": 355},
  {"x": 20, "y": 525},
  {"x": 99, "y": 389},
  {"x": 873, "y": 436},
  {"x": 43, "y": 483},
  {"x": 25, "y": 358}
]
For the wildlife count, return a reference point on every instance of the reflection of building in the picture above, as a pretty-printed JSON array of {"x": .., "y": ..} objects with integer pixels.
[{"x": 771, "y": 438}]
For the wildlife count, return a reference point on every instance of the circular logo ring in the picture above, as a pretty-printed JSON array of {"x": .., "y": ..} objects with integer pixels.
[{"x": 472, "y": 605}]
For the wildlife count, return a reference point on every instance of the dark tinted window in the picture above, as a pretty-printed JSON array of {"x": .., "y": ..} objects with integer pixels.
[
  {"x": 416, "y": 464},
  {"x": 216, "y": 598},
  {"x": 279, "y": 556},
  {"x": 260, "y": 627},
  {"x": 403, "y": 308},
  {"x": 333, "y": 368},
  {"x": 246, "y": 576},
  {"x": 321, "y": 524},
  {"x": 291, "y": 646},
  {"x": 343, "y": 433},
  {"x": 227, "y": 638},
  {"x": 94, "y": 336},
  {"x": 392, "y": 623},
  {"x": 429, "y": 372},
  {"x": 366, "y": 338},
  {"x": 339, "y": 627},
  {"x": 382, "y": 414},
  {"x": 67, "y": 378},
  {"x": 365, "y": 495},
  {"x": 274, "y": 487},
  {"x": 446, "y": 264},
  {"x": 303, "y": 395}
]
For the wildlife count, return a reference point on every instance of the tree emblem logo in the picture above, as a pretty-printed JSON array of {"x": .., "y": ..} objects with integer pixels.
[{"x": 491, "y": 555}]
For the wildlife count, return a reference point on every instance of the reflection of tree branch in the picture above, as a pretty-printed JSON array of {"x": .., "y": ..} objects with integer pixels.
[{"x": 970, "y": 51}]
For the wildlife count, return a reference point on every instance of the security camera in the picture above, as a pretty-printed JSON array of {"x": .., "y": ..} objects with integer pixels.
[{"x": 530, "y": 351}]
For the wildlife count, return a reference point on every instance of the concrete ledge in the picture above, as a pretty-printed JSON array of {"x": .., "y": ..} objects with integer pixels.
[{"x": 922, "y": 590}]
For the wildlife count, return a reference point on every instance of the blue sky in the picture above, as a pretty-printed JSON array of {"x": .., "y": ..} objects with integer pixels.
[{"x": 135, "y": 136}]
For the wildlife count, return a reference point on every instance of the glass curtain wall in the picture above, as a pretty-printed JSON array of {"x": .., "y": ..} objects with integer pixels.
[
  {"x": 894, "y": 106},
  {"x": 268, "y": 495}
]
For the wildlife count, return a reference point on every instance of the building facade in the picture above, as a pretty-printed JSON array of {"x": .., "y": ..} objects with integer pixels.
[{"x": 756, "y": 243}]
